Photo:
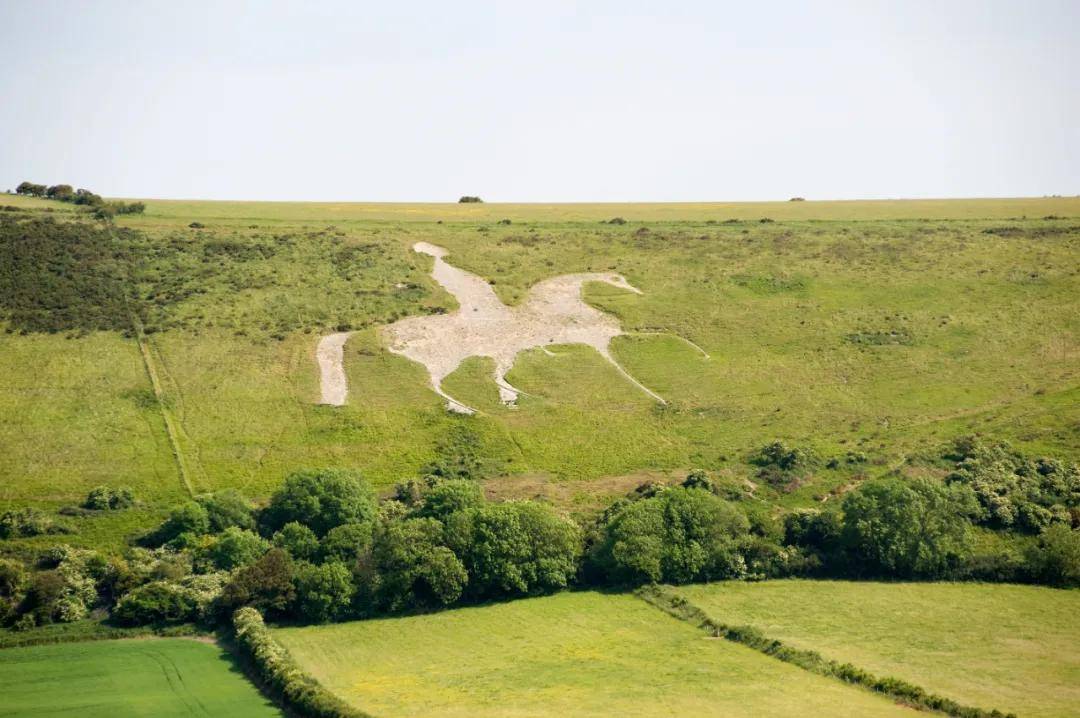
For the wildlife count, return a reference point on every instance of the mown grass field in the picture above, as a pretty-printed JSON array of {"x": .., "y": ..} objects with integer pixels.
[
  {"x": 570, "y": 654},
  {"x": 886, "y": 328},
  {"x": 1008, "y": 647},
  {"x": 114, "y": 679}
]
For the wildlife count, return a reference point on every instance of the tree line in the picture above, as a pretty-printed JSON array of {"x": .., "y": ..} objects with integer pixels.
[
  {"x": 101, "y": 208},
  {"x": 325, "y": 548}
]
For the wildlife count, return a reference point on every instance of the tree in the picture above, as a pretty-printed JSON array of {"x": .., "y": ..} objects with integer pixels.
[
  {"x": 30, "y": 189},
  {"x": 188, "y": 518},
  {"x": 904, "y": 529},
  {"x": 300, "y": 541},
  {"x": 266, "y": 584},
  {"x": 470, "y": 199},
  {"x": 227, "y": 508},
  {"x": 156, "y": 602},
  {"x": 1055, "y": 559},
  {"x": 451, "y": 495},
  {"x": 61, "y": 192},
  {"x": 519, "y": 547},
  {"x": 679, "y": 535},
  {"x": 323, "y": 592},
  {"x": 233, "y": 548},
  {"x": 321, "y": 500},
  {"x": 347, "y": 543},
  {"x": 412, "y": 567}
]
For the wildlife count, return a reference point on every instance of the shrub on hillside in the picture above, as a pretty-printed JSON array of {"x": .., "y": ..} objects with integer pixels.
[
  {"x": 154, "y": 603},
  {"x": 231, "y": 549},
  {"x": 300, "y": 541},
  {"x": 678, "y": 536},
  {"x": 347, "y": 543},
  {"x": 514, "y": 548},
  {"x": 324, "y": 592},
  {"x": 1055, "y": 557},
  {"x": 266, "y": 584},
  {"x": 227, "y": 508},
  {"x": 102, "y": 498},
  {"x": 20, "y": 523},
  {"x": 905, "y": 529},
  {"x": 321, "y": 500},
  {"x": 448, "y": 496},
  {"x": 411, "y": 567}
]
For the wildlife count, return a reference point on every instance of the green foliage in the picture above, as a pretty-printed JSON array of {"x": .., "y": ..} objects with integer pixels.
[
  {"x": 905, "y": 529},
  {"x": 1015, "y": 491},
  {"x": 347, "y": 543},
  {"x": 324, "y": 592},
  {"x": 300, "y": 541},
  {"x": 27, "y": 522},
  {"x": 285, "y": 678},
  {"x": 515, "y": 548},
  {"x": 266, "y": 584},
  {"x": 679, "y": 535},
  {"x": 103, "y": 498},
  {"x": 155, "y": 602},
  {"x": 227, "y": 508},
  {"x": 448, "y": 496},
  {"x": 233, "y": 548},
  {"x": 1055, "y": 558},
  {"x": 321, "y": 500},
  {"x": 189, "y": 518},
  {"x": 412, "y": 567}
]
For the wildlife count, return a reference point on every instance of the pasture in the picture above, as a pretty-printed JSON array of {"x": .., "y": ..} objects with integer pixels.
[
  {"x": 140, "y": 677},
  {"x": 995, "y": 646},
  {"x": 569, "y": 654},
  {"x": 843, "y": 326}
]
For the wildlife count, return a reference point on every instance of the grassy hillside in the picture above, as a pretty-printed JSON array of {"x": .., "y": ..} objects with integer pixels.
[
  {"x": 570, "y": 654},
  {"x": 840, "y": 326},
  {"x": 109, "y": 679},
  {"x": 1008, "y": 647}
]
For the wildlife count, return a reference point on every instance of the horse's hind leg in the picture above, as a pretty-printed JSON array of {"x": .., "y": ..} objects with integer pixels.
[{"x": 604, "y": 352}]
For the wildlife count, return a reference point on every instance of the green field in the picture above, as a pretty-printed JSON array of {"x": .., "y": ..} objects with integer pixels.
[
  {"x": 116, "y": 679},
  {"x": 569, "y": 654},
  {"x": 1013, "y": 648},
  {"x": 886, "y": 327}
]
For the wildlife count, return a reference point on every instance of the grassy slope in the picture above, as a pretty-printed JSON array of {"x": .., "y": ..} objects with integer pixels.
[
  {"x": 167, "y": 677},
  {"x": 1006, "y": 647},
  {"x": 569, "y": 654},
  {"x": 991, "y": 326}
]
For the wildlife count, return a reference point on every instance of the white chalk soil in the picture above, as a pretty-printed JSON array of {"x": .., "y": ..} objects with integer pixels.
[{"x": 482, "y": 326}]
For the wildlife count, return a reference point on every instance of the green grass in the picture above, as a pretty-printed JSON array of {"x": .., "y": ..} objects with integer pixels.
[
  {"x": 793, "y": 313},
  {"x": 569, "y": 654},
  {"x": 115, "y": 679},
  {"x": 995, "y": 646}
]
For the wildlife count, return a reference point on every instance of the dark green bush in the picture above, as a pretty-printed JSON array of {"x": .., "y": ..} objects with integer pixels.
[
  {"x": 266, "y": 584},
  {"x": 227, "y": 508},
  {"x": 904, "y": 529},
  {"x": 103, "y": 498},
  {"x": 412, "y": 567},
  {"x": 323, "y": 592},
  {"x": 156, "y": 602},
  {"x": 677, "y": 536},
  {"x": 515, "y": 548},
  {"x": 300, "y": 541},
  {"x": 321, "y": 500}
]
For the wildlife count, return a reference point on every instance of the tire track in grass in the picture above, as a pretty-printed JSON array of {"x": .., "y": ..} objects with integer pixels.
[{"x": 155, "y": 381}]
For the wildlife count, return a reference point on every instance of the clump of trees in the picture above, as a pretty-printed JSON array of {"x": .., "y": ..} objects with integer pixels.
[
  {"x": 470, "y": 199},
  {"x": 325, "y": 548},
  {"x": 101, "y": 208}
]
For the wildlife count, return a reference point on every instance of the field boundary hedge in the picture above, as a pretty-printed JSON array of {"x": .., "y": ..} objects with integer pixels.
[
  {"x": 280, "y": 673},
  {"x": 896, "y": 688}
]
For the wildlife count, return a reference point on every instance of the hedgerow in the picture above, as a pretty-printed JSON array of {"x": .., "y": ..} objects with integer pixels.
[{"x": 280, "y": 673}]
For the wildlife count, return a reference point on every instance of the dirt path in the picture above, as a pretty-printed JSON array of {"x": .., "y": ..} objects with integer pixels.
[{"x": 331, "y": 356}]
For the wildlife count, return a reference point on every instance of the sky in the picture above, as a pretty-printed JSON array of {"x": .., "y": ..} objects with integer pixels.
[{"x": 542, "y": 101}]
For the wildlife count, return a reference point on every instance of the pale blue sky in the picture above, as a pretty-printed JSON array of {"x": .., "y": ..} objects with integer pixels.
[{"x": 542, "y": 101}]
